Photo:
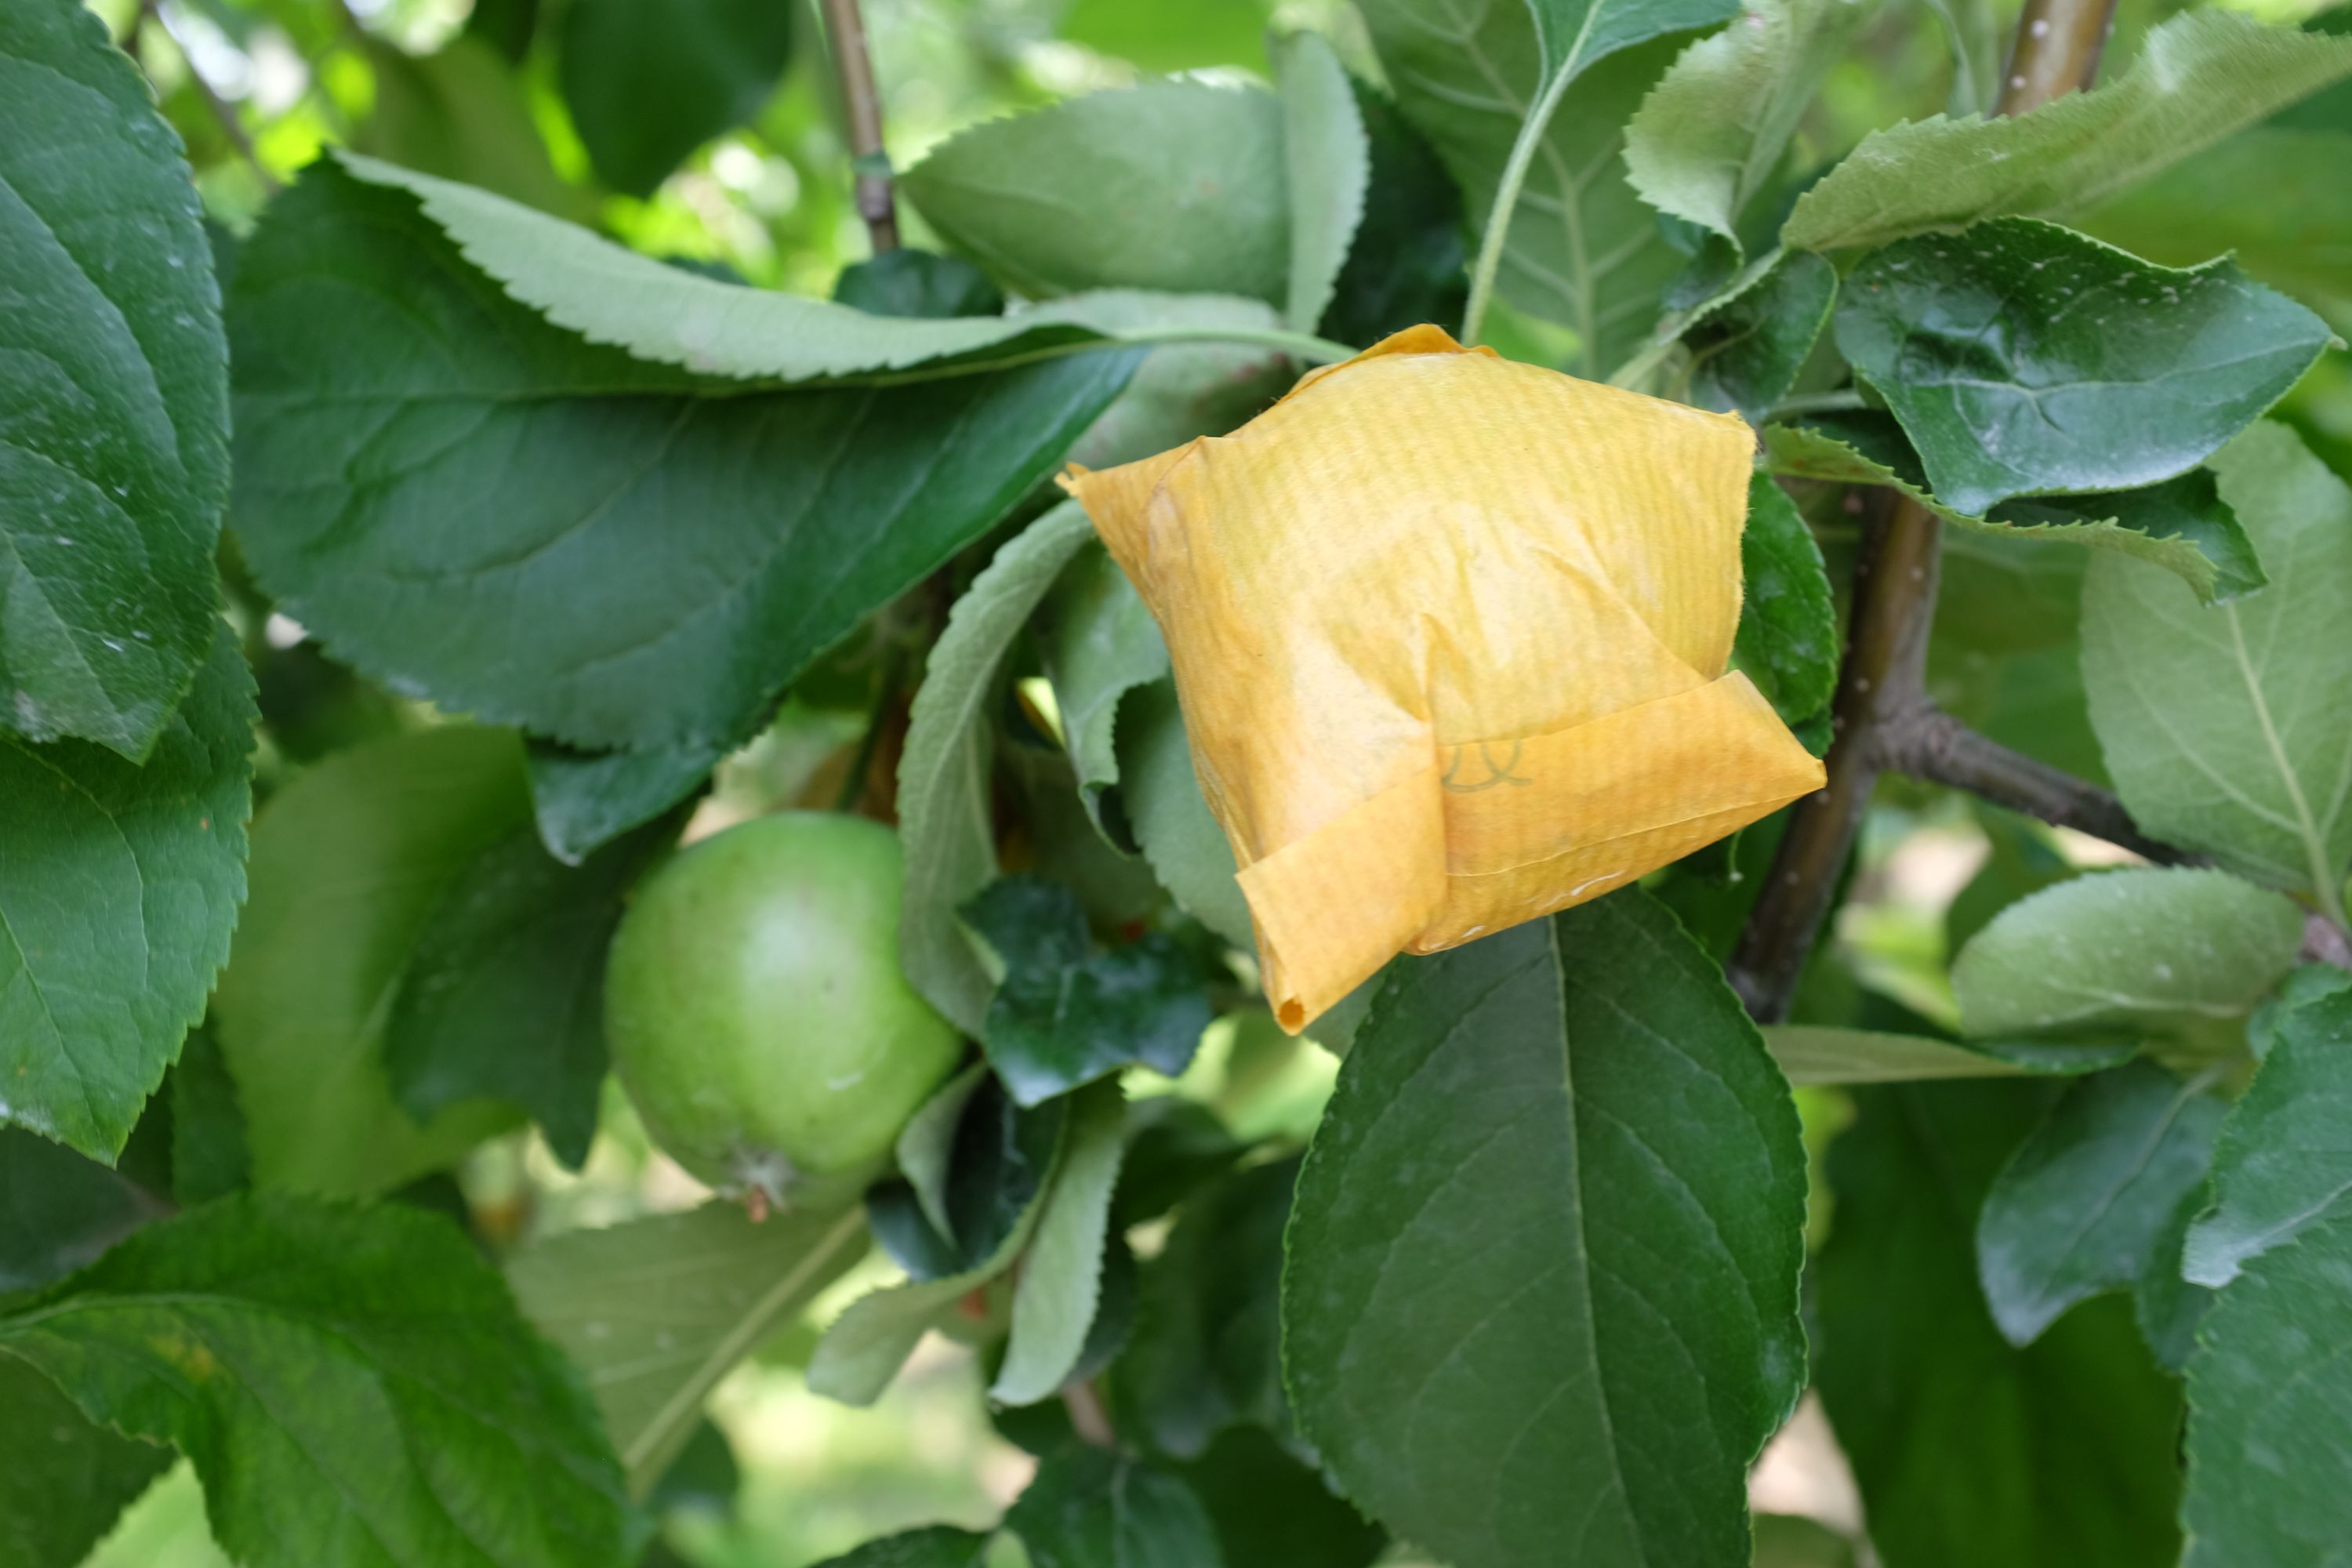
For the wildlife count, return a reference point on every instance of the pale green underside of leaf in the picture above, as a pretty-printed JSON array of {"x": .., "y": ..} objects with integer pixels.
[
  {"x": 944, "y": 812},
  {"x": 2224, "y": 727},
  {"x": 1061, "y": 1275},
  {"x": 1169, "y": 185},
  {"x": 1584, "y": 250},
  {"x": 2124, "y": 949},
  {"x": 1327, "y": 165},
  {"x": 119, "y": 889},
  {"x": 1540, "y": 1302},
  {"x": 354, "y": 1388},
  {"x": 113, "y": 407},
  {"x": 2282, "y": 1163},
  {"x": 610, "y": 294},
  {"x": 1710, "y": 133},
  {"x": 349, "y": 862},
  {"x": 1802, "y": 453},
  {"x": 1810, "y": 1054},
  {"x": 1098, "y": 642},
  {"x": 1179, "y": 836},
  {"x": 926, "y": 1147},
  {"x": 2199, "y": 77},
  {"x": 656, "y": 1312}
]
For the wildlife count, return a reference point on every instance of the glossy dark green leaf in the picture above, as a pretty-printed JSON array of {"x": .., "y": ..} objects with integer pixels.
[
  {"x": 1788, "y": 638},
  {"x": 350, "y": 862},
  {"x": 652, "y": 1351},
  {"x": 1273, "y": 1510},
  {"x": 2222, "y": 727},
  {"x": 1169, "y": 185},
  {"x": 63, "y": 1479},
  {"x": 113, "y": 394},
  {"x": 62, "y": 1209},
  {"x": 2282, "y": 1163},
  {"x": 1746, "y": 353},
  {"x": 1969, "y": 1452},
  {"x": 2183, "y": 525},
  {"x": 940, "y": 1546},
  {"x": 503, "y": 994},
  {"x": 583, "y": 800},
  {"x": 2082, "y": 1206},
  {"x": 1410, "y": 263},
  {"x": 637, "y": 562},
  {"x": 121, "y": 887},
  {"x": 354, "y": 1388},
  {"x": 1540, "y": 1302},
  {"x": 1066, "y": 1014},
  {"x": 909, "y": 282},
  {"x": 1206, "y": 1355},
  {"x": 2024, "y": 359},
  {"x": 1089, "y": 1507},
  {"x": 998, "y": 1162},
  {"x": 648, "y": 84},
  {"x": 2270, "y": 1409}
]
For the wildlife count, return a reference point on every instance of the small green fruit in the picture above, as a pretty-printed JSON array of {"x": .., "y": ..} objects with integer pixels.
[{"x": 757, "y": 1012}]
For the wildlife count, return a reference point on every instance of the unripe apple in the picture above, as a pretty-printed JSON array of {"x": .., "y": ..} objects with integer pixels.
[{"x": 756, "y": 1008}]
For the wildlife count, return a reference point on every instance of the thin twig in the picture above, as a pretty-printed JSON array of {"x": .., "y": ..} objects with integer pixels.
[
  {"x": 1934, "y": 746},
  {"x": 1088, "y": 1419},
  {"x": 862, "y": 107}
]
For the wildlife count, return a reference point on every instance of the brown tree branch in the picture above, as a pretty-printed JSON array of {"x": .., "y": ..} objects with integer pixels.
[
  {"x": 862, "y": 107},
  {"x": 1881, "y": 682},
  {"x": 1933, "y": 745}
]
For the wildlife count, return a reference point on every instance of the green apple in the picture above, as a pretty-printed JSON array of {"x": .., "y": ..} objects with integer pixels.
[{"x": 757, "y": 1012}]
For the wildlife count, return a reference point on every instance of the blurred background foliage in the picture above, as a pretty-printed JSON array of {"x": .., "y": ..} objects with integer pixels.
[{"x": 561, "y": 103}]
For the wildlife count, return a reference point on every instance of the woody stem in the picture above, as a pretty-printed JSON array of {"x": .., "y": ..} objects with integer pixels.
[{"x": 845, "y": 30}]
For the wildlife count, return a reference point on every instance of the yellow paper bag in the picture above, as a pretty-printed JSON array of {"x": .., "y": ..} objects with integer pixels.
[{"x": 1450, "y": 635}]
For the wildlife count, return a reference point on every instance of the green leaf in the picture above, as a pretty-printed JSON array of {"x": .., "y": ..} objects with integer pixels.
[
  {"x": 503, "y": 996},
  {"x": 353, "y": 1385},
  {"x": 1098, "y": 642},
  {"x": 1272, "y": 1510},
  {"x": 1182, "y": 390},
  {"x": 62, "y": 1210},
  {"x": 1585, "y": 251},
  {"x": 1812, "y": 1054},
  {"x": 1066, "y": 1015},
  {"x": 1746, "y": 349},
  {"x": 1186, "y": 848},
  {"x": 121, "y": 889},
  {"x": 1788, "y": 638},
  {"x": 1205, "y": 1356},
  {"x": 350, "y": 862},
  {"x": 908, "y": 282},
  {"x": 2183, "y": 525},
  {"x": 864, "y": 1348},
  {"x": 641, "y": 561},
  {"x": 667, "y": 315},
  {"x": 1711, "y": 132},
  {"x": 2025, "y": 359},
  {"x": 648, "y": 84},
  {"x": 946, "y": 819},
  {"x": 2269, "y": 1389},
  {"x": 462, "y": 113},
  {"x": 1541, "y": 1295},
  {"x": 926, "y": 1149},
  {"x": 1409, "y": 263},
  {"x": 2198, "y": 78},
  {"x": 2082, "y": 1206},
  {"x": 2170, "y": 1307},
  {"x": 209, "y": 1157},
  {"x": 1969, "y": 1452},
  {"x": 1054, "y": 1304},
  {"x": 940, "y": 1546},
  {"x": 2223, "y": 727},
  {"x": 113, "y": 395},
  {"x": 2154, "y": 948},
  {"x": 2281, "y": 1165},
  {"x": 1169, "y": 35},
  {"x": 1327, "y": 164},
  {"x": 1169, "y": 185},
  {"x": 2268, "y": 196},
  {"x": 1087, "y": 1506},
  {"x": 656, "y": 1312},
  {"x": 1972, "y": 31},
  {"x": 63, "y": 1479},
  {"x": 583, "y": 800},
  {"x": 2022, "y": 857}
]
